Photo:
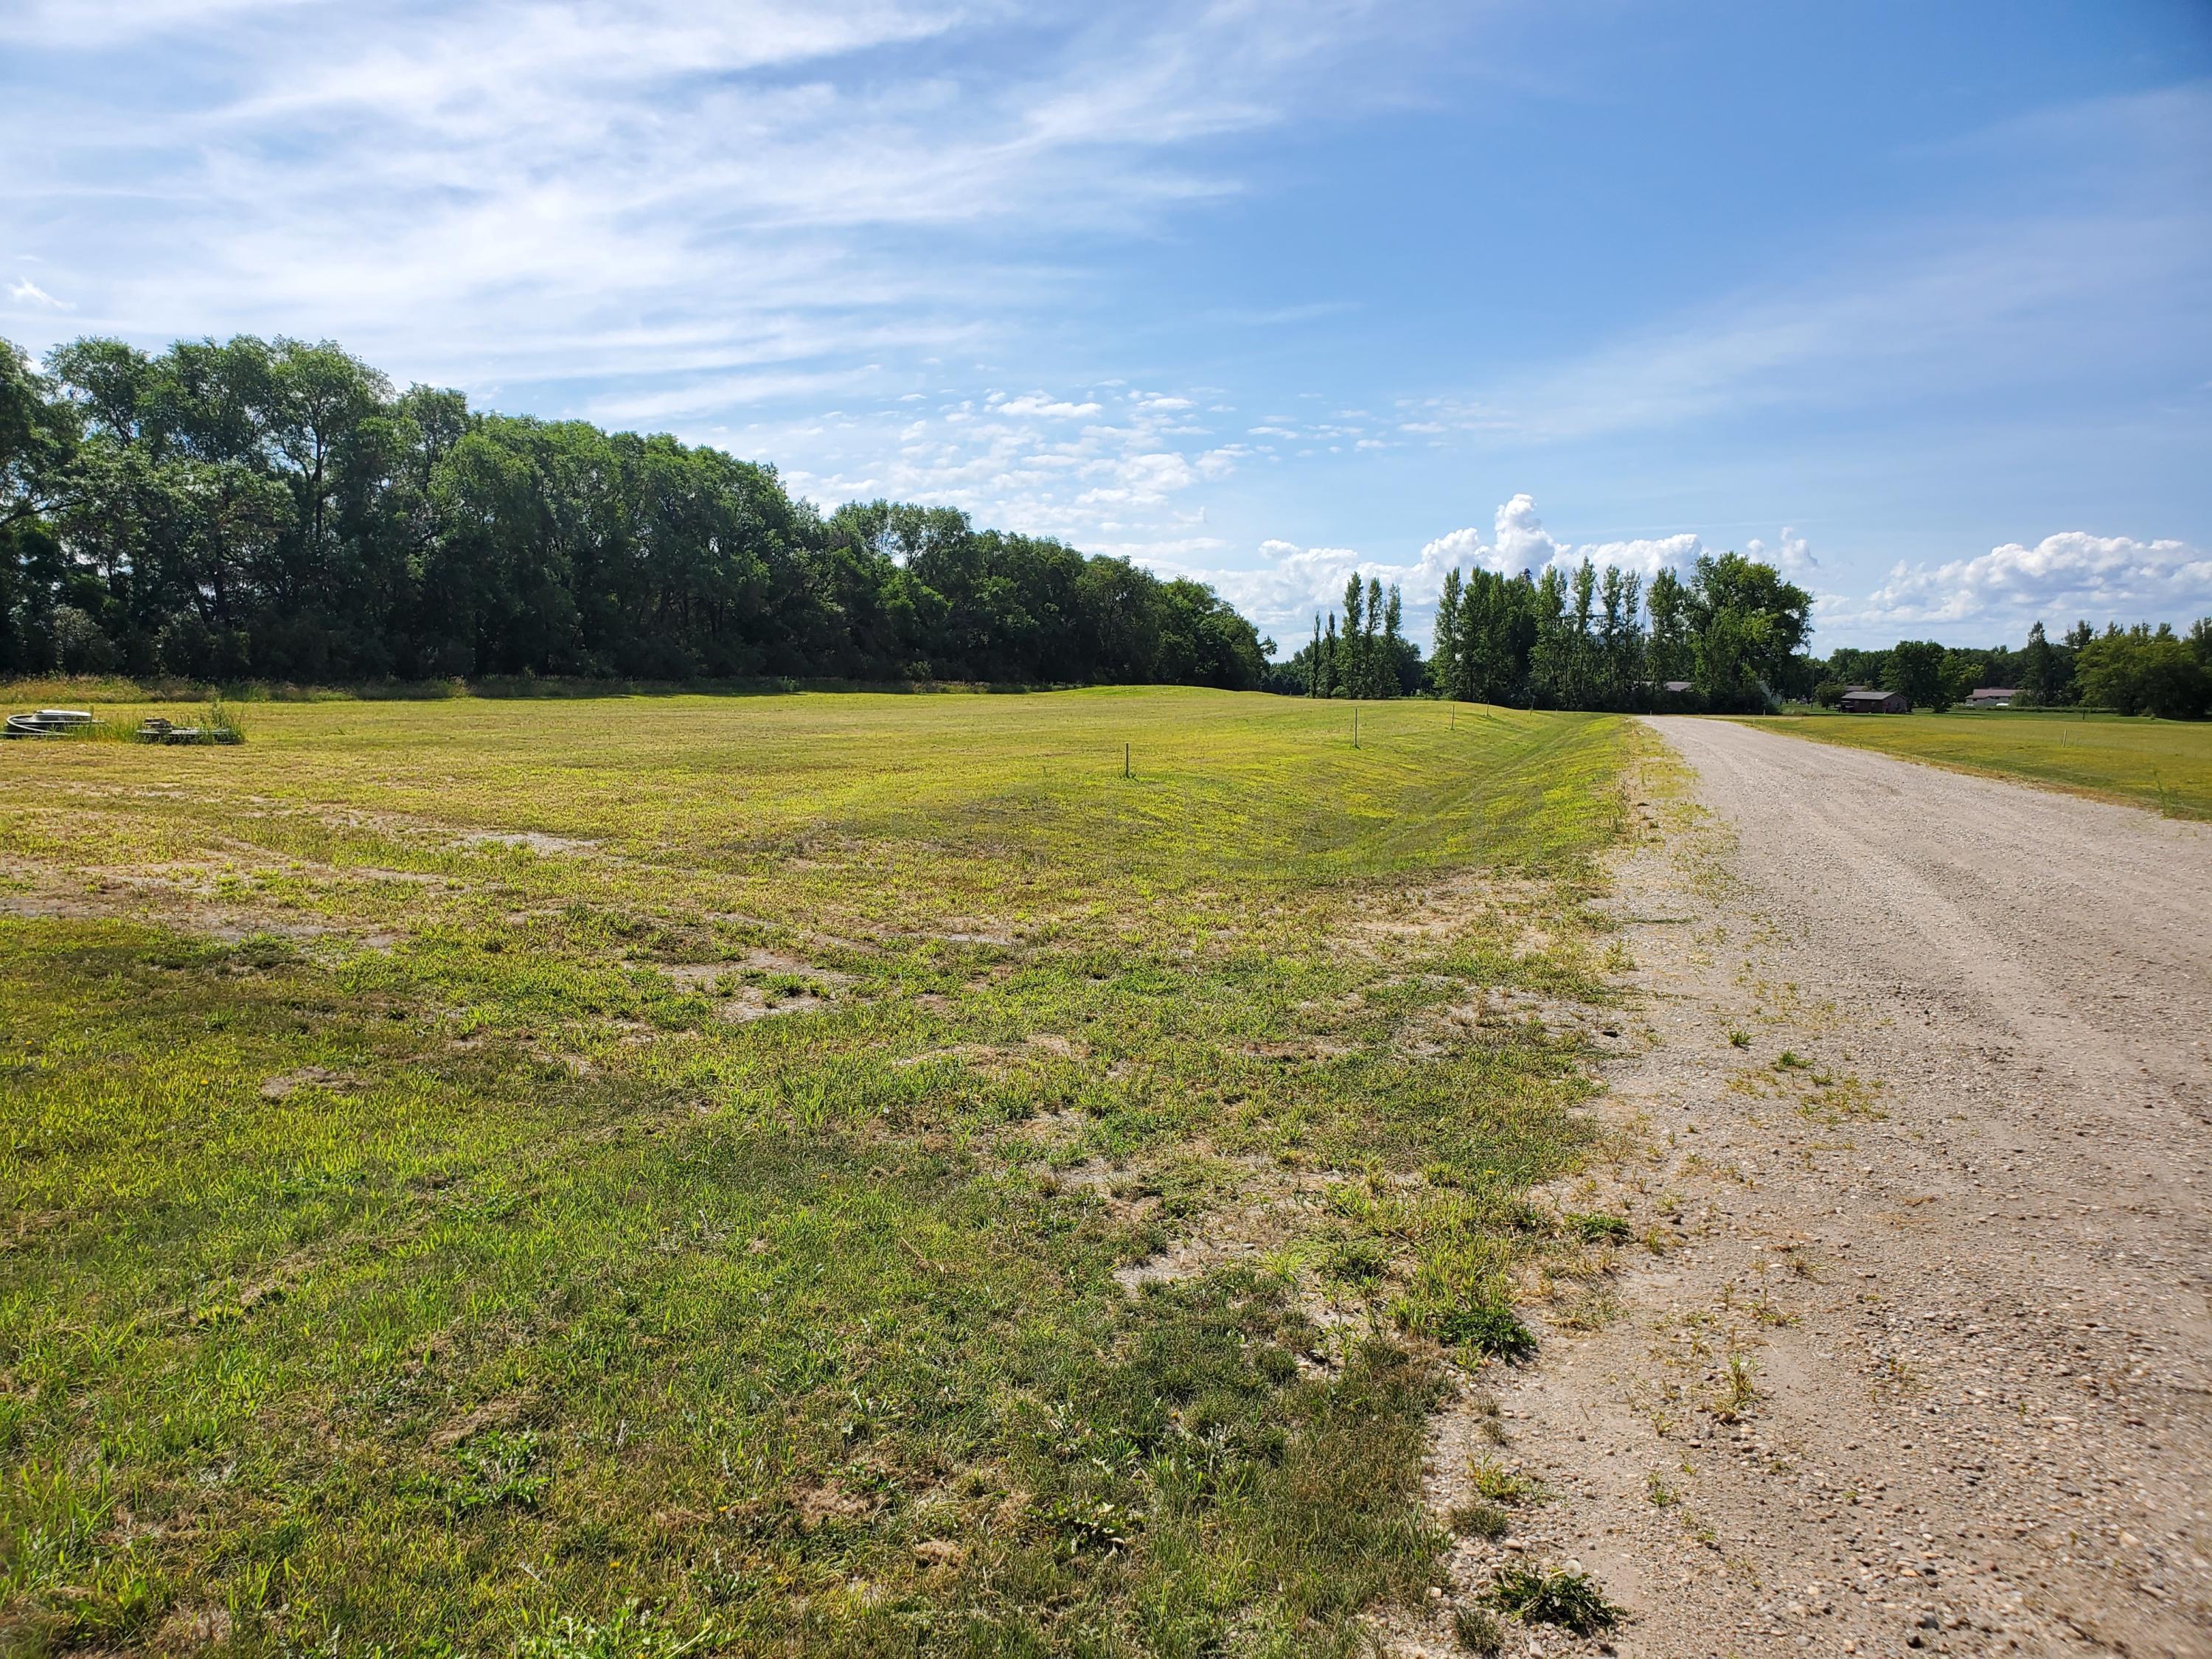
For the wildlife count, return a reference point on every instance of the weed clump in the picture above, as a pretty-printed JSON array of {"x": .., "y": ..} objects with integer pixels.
[
  {"x": 1542, "y": 1595},
  {"x": 1741, "y": 1392},
  {"x": 499, "y": 1469},
  {"x": 1598, "y": 1229},
  {"x": 1502, "y": 1485},
  {"x": 1479, "y": 1519},
  {"x": 1356, "y": 1261},
  {"x": 221, "y": 723},
  {"x": 1490, "y": 1329},
  {"x": 632, "y": 1633},
  {"x": 1478, "y": 1631}
]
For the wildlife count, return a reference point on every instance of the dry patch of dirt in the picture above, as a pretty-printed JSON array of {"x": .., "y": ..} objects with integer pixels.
[{"x": 286, "y": 1084}]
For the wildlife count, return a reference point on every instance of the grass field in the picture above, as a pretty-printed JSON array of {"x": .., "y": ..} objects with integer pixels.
[
  {"x": 824, "y": 1174},
  {"x": 2166, "y": 765}
]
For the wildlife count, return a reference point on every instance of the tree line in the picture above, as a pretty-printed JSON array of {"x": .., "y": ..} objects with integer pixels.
[
  {"x": 2141, "y": 670},
  {"x": 276, "y": 510},
  {"x": 1729, "y": 637}
]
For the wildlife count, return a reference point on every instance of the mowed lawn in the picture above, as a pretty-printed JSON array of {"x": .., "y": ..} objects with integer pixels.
[
  {"x": 773, "y": 1175},
  {"x": 2166, "y": 765}
]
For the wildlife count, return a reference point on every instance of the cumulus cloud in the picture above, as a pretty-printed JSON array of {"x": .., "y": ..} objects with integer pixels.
[
  {"x": 1293, "y": 582},
  {"x": 1520, "y": 541},
  {"x": 2063, "y": 578}
]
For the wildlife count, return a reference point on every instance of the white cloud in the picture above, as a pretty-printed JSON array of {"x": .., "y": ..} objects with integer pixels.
[
  {"x": 1294, "y": 582},
  {"x": 1792, "y": 555},
  {"x": 1043, "y": 406},
  {"x": 2067, "y": 296},
  {"x": 497, "y": 192},
  {"x": 1521, "y": 543},
  {"x": 28, "y": 293},
  {"x": 2070, "y": 577}
]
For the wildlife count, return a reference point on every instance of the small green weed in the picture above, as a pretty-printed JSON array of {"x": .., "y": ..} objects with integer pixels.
[
  {"x": 499, "y": 1470},
  {"x": 1593, "y": 1228},
  {"x": 1359, "y": 1262},
  {"x": 1092, "y": 1527},
  {"x": 1739, "y": 1037},
  {"x": 221, "y": 723},
  {"x": 1499, "y": 1484},
  {"x": 1493, "y": 1331},
  {"x": 1740, "y": 1391},
  {"x": 632, "y": 1633},
  {"x": 1479, "y": 1519},
  {"x": 1478, "y": 1631},
  {"x": 1540, "y": 1595}
]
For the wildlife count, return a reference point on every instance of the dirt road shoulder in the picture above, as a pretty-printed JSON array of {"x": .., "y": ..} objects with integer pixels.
[{"x": 1912, "y": 1350}]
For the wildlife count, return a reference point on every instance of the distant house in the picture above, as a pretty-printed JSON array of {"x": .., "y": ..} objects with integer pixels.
[
  {"x": 1861, "y": 700},
  {"x": 1992, "y": 696},
  {"x": 1677, "y": 686}
]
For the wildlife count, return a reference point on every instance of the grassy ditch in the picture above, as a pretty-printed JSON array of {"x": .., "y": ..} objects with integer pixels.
[{"x": 817, "y": 1173}]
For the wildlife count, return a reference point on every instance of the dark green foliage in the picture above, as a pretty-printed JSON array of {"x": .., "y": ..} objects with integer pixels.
[
  {"x": 1372, "y": 659},
  {"x": 1916, "y": 668},
  {"x": 1601, "y": 640},
  {"x": 2140, "y": 672},
  {"x": 275, "y": 510},
  {"x": 1536, "y": 1595}
]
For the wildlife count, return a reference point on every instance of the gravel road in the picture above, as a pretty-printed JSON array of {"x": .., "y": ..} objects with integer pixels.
[{"x": 1923, "y": 1103}]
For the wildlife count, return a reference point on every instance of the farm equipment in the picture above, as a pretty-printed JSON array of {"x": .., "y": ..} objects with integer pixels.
[{"x": 50, "y": 723}]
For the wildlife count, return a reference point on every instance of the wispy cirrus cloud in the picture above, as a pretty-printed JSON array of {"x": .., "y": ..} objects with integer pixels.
[
  {"x": 2108, "y": 268},
  {"x": 510, "y": 189}
]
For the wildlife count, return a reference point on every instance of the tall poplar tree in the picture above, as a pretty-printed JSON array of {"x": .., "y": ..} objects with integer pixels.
[{"x": 1443, "y": 656}]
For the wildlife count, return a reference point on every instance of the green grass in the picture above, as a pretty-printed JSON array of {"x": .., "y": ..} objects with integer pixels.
[
  {"x": 2166, "y": 765},
  {"x": 643, "y": 1175}
]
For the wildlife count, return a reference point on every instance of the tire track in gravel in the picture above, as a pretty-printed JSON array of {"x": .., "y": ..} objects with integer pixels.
[{"x": 1948, "y": 1205}]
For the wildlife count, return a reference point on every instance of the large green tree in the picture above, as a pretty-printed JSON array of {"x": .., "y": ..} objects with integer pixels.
[{"x": 275, "y": 509}]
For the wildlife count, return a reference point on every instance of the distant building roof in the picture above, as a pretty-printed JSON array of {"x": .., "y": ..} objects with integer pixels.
[
  {"x": 1679, "y": 685},
  {"x": 1859, "y": 694},
  {"x": 1996, "y": 691}
]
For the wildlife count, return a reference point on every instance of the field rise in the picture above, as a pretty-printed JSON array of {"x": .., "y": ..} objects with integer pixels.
[{"x": 826, "y": 1173}]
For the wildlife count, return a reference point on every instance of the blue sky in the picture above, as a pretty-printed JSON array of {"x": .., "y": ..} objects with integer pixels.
[{"x": 1917, "y": 299}]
